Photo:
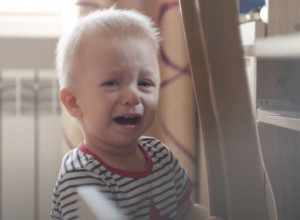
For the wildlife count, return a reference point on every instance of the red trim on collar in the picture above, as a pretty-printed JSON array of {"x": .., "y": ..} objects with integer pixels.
[{"x": 123, "y": 173}]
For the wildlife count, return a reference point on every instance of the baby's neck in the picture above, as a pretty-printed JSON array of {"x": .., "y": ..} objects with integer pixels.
[
  {"x": 129, "y": 159},
  {"x": 135, "y": 161}
]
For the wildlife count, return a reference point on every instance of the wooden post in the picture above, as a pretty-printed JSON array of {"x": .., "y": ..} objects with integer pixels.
[{"x": 235, "y": 166}]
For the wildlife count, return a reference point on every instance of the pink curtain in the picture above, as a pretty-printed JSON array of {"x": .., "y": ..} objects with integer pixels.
[{"x": 176, "y": 122}]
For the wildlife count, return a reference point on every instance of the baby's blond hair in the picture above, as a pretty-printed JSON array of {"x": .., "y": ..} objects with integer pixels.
[{"x": 108, "y": 21}]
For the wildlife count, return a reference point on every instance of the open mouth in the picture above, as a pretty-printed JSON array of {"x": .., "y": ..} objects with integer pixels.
[{"x": 127, "y": 120}]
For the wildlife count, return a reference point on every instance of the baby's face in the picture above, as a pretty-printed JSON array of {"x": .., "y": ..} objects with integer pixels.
[{"x": 118, "y": 89}]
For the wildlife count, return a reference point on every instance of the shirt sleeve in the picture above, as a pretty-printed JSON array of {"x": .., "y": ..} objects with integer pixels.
[{"x": 183, "y": 183}]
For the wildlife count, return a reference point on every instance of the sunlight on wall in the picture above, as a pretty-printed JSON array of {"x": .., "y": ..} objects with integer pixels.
[
  {"x": 30, "y": 6},
  {"x": 31, "y": 18}
]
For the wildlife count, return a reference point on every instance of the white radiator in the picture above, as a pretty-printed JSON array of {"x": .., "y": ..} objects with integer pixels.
[{"x": 30, "y": 132}]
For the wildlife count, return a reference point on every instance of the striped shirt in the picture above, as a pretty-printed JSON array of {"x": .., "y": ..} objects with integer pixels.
[{"x": 155, "y": 193}]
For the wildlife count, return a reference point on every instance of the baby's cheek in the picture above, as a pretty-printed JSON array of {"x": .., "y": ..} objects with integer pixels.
[{"x": 111, "y": 98}]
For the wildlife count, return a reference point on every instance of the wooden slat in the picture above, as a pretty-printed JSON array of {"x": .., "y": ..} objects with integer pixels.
[
  {"x": 287, "y": 47},
  {"x": 284, "y": 17},
  {"x": 235, "y": 167}
]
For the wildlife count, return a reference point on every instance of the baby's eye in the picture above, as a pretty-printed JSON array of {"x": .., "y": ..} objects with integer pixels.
[
  {"x": 111, "y": 83},
  {"x": 145, "y": 83}
]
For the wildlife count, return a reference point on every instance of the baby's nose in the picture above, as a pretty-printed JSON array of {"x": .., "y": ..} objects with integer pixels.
[{"x": 131, "y": 97}]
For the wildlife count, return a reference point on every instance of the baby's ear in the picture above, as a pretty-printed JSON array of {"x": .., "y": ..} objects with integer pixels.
[{"x": 68, "y": 99}]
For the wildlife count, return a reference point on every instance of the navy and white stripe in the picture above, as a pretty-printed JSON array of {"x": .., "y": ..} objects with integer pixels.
[{"x": 166, "y": 185}]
